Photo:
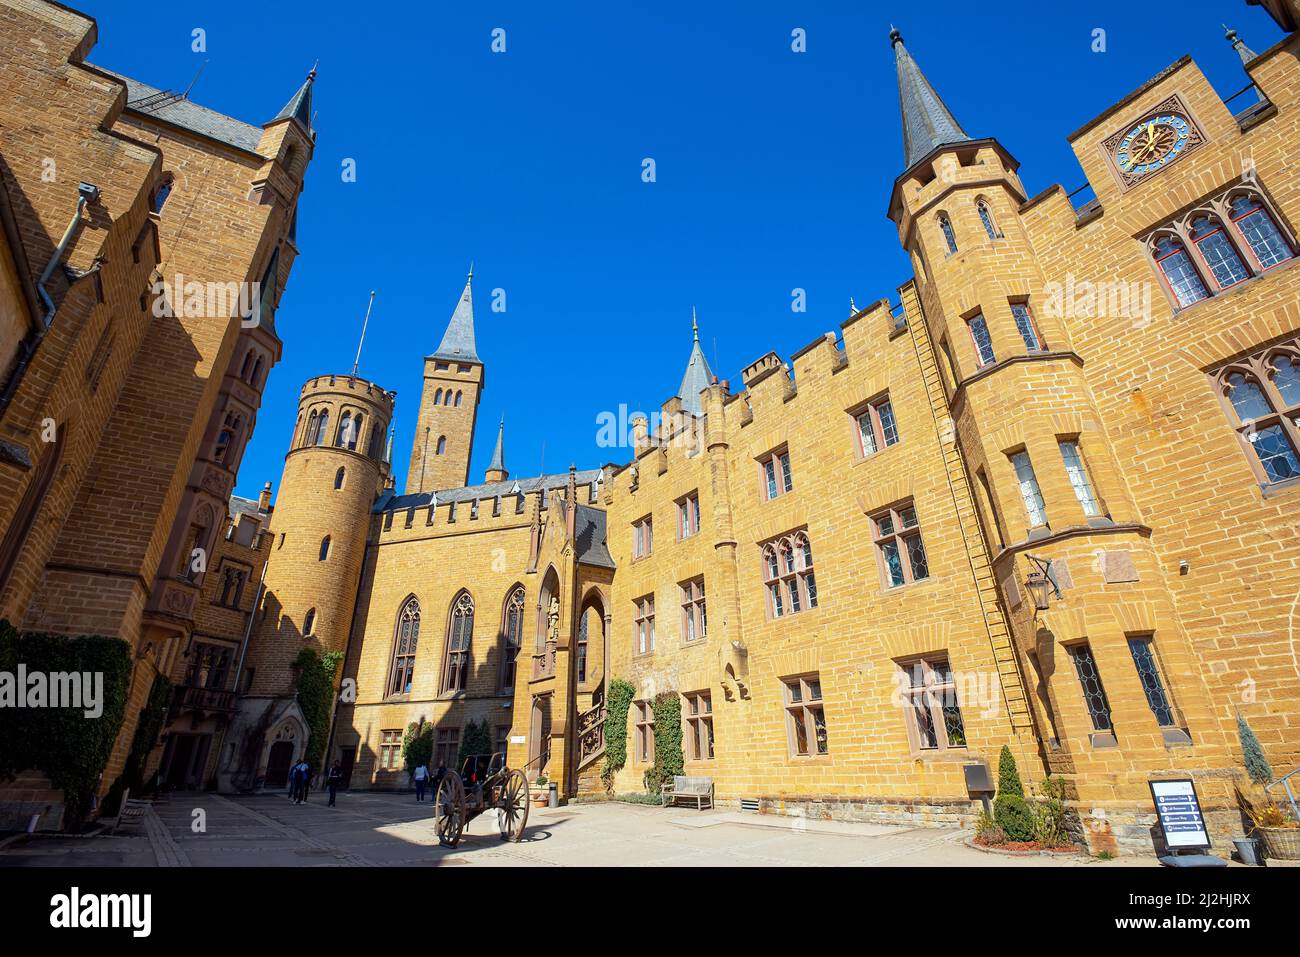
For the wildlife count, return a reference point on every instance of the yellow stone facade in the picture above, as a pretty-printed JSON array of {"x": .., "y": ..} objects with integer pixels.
[{"x": 1176, "y": 551}]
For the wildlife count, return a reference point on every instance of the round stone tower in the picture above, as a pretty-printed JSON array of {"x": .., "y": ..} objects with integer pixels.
[{"x": 333, "y": 473}]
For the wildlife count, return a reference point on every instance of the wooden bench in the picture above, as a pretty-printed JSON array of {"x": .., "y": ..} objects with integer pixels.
[
  {"x": 686, "y": 788},
  {"x": 131, "y": 812}
]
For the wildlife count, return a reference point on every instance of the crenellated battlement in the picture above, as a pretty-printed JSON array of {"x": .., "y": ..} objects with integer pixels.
[
  {"x": 488, "y": 507},
  {"x": 350, "y": 385}
]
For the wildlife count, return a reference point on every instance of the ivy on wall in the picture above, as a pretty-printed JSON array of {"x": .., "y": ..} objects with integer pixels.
[
  {"x": 149, "y": 725},
  {"x": 619, "y": 701},
  {"x": 69, "y": 747},
  {"x": 315, "y": 695},
  {"x": 668, "y": 741}
]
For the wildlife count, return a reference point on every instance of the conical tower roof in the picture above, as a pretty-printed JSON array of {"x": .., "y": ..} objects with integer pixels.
[
  {"x": 697, "y": 377},
  {"x": 299, "y": 107},
  {"x": 498, "y": 462},
  {"x": 927, "y": 122},
  {"x": 458, "y": 341}
]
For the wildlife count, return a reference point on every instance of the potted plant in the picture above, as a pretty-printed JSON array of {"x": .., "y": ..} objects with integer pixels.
[
  {"x": 1279, "y": 829},
  {"x": 539, "y": 797},
  {"x": 1260, "y": 773}
]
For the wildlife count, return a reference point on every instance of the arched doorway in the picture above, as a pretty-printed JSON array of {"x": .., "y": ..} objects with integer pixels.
[
  {"x": 539, "y": 735},
  {"x": 277, "y": 764}
]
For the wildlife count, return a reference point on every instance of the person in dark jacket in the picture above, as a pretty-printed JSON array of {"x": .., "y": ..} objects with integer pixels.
[
  {"x": 333, "y": 778},
  {"x": 294, "y": 775}
]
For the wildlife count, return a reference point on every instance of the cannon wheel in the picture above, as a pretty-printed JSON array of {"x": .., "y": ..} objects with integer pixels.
[
  {"x": 449, "y": 810},
  {"x": 512, "y": 813}
]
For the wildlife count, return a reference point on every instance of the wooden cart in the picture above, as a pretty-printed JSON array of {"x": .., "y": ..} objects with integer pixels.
[{"x": 484, "y": 783}]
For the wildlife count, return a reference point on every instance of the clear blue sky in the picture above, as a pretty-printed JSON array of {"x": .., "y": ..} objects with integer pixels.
[{"x": 773, "y": 172}]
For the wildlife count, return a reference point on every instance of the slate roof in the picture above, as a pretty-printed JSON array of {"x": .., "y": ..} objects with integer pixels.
[
  {"x": 589, "y": 527},
  {"x": 498, "y": 454},
  {"x": 245, "y": 506},
  {"x": 458, "y": 340},
  {"x": 299, "y": 108},
  {"x": 393, "y": 503},
  {"x": 927, "y": 122},
  {"x": 174, "y": 109},
  {"x": 697, "y": 377}
]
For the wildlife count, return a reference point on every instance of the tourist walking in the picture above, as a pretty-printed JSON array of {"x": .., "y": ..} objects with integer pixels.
[
  {"x": 421, "y": 781},
  {"x": 333, "y": 778}
]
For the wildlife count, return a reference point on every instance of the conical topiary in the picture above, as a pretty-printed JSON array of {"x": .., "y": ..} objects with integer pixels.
[
  {"x": 1008, "y": 776},
  {"x": 1257, "y": 765}
]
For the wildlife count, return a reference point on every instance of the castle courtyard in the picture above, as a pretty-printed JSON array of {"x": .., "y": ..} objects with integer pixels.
[{"x": 387, "y": 829}]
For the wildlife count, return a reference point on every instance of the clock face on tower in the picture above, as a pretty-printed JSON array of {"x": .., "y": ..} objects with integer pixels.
[{"x": 1153, "y": 142}]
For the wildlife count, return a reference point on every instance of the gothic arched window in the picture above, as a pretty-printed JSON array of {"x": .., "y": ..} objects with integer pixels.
[
  {"x": 512, "y": 637},
  {"x": 338, "y": 478},
  {"x": 442, "y": 445},
  {"x": 1256, "y": 225},
  {"x": 986, "y": 218},
  {"x": 437, "y": 397},
  {"x": 270, "y": 292},
  {"x": 322, "y": 428},
  {"x": 1179, "y": 271},
  {"x": 949, "y": 237},
  {"x": 309, "y": 622},
  {"x": 324, "y": 548},
  {"x": 458, "y": 400},
  {"x": 405, "y": 641},
  {"x": 345, "y": 431},
  {"x": 161, "y": 193},
  {"x": 1262, "y": 394},
  {"x": 357, "y": 424},
  {"x": 460, "y": 632},
  {"x": 1217, "y": 251},
  {"x": 788, "y": 575}
]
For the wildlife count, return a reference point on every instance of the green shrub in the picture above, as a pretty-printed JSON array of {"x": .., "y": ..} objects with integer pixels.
[
  {"x": 1257, "y": 765},
  {"x": 62, "y": 742},
  {"x": 669, "y": 760},
  {"x": 1008, "y": 777},
  {"x": 1015, "y": 817},
  {"x": 477, "y": 739},
  {"x": 417, "y": 745},
  {"x": 617, "y": 704},
  {"x": 1050, "y": 828},
  {"x": 987, "y": 830},
  {"x": 639, "y": 798}
]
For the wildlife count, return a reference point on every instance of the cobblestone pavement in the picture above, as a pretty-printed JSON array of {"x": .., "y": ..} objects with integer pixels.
[{"x": 390, "y": 829}]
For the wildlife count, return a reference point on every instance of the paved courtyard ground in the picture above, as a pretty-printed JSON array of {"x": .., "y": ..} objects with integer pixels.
[{"x": 387, "y": 830}]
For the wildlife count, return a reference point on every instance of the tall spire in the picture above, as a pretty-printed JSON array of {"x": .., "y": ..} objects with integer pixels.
[
  {"x": 697, "y": 377},
  {"x": 299, "y": 108},
  {"x": 927, "y": 123},
  {"x": 458, "y": 340},
  {"x": 1238, "y": 44},
  {"x": 498, "y": 463}
]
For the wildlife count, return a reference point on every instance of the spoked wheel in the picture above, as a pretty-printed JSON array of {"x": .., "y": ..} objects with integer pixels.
[
  {"x": 449, "y": 810},
  {"x": 512, "y": 814}
]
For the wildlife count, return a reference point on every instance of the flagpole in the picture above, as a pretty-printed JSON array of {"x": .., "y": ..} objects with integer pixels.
[{"x": 369, "y": 306}]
